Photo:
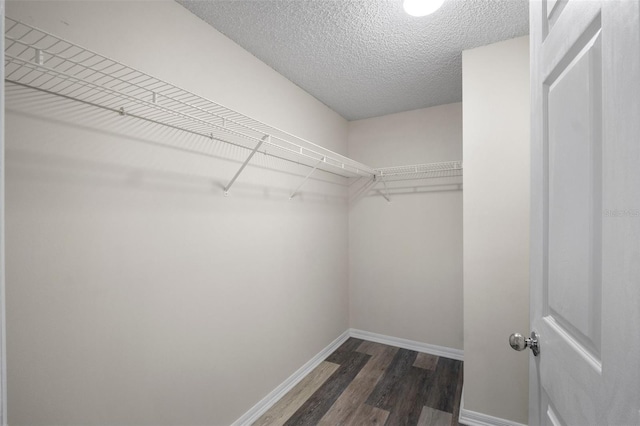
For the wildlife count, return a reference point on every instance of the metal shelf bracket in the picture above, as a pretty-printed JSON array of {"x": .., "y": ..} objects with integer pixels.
[
  {"x": 233, "y": 179},
  {"x": 380, "y": 178},
  {"x": 323, "y": 159},
  {"x": 386, "y": 190}
]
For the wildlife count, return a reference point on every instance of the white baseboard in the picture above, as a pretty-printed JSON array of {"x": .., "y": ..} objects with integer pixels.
[
  {"x": 267, "y": 402},
  {"x": 473, "y": 418},
  {"x": 408, "y": 344}
]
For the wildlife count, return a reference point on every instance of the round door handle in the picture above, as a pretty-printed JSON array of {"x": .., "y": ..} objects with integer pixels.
[{"x": 519, "y": 343}]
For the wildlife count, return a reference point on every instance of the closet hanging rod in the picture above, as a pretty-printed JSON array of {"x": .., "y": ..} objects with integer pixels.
[{"x": 40, "y": 60}]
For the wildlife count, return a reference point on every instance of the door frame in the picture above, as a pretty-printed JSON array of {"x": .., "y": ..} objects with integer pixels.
[{"x": 536, "y": 215}]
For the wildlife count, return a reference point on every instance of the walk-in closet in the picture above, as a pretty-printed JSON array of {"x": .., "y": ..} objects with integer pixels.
[{"x": 265, "y": 212}]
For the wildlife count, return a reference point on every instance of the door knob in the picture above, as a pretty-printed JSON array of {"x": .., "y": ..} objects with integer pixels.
[{"x": 519, "y": 343}]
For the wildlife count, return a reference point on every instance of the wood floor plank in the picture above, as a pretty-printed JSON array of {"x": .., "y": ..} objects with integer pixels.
[
  {"x": 387, "y": 388},
  {"x": 279, "y": 413},
  {"x": 344, "y": 351},
  {"x": 344, "y": 409},
  {"x": 322, "y": 399},
  {"x": 426, "y": 361},
  {"x": 368, "y": 415},
  {"x": 409, "y": 398},
  {"x": 432, "y": 417},
  {"x": 442, "y": 393},
  {"x": 371, "y": 348}
]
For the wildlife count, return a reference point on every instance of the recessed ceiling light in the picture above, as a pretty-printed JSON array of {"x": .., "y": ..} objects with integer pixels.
[{"x": 421, "y": 7}]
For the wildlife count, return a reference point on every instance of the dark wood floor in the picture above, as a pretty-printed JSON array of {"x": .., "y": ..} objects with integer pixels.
[{"x": 366, "y": 383}]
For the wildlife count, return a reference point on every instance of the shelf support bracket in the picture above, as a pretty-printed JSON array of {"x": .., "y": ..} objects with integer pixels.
[
  {"x": 364, "y": 189},
  {"x": 233, "y": 179},
  {"x": 307, "y": 177},
  {"x": 385, "y": 194}
]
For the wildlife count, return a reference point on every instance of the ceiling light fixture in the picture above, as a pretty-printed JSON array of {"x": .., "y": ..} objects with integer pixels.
[{"x": 421, "y": 7}]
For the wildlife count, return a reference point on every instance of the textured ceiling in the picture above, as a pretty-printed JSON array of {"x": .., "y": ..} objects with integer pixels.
[{"x": 366, "y": 58}]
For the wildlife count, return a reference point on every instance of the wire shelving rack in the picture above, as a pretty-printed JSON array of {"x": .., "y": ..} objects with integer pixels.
[
  {"x": 447, "y": 169},
  {"x": 42, "y": 61},
  {"x": 421, "y": 171}
]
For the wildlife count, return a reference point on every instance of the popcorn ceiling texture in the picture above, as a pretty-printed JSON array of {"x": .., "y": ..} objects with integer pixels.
[{"x": 366, "y": 58}]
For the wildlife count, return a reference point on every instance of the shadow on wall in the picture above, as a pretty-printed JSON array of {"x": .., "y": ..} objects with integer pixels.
[{"x": 124, "y": 151}]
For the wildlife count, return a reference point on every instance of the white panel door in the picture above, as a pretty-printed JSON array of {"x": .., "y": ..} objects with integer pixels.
[{"x": 585, "y": 264}]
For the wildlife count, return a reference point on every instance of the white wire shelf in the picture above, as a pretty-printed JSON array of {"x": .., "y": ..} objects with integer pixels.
[
  {"x": 42, "y": 61},
  {"x": 420, "y": 171}
]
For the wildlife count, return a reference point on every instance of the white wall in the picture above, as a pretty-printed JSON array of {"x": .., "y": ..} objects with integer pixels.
[
  {"x": 137, "y": 293},
  {"x": 496, "y": 227},
  {"x": 405, "y": 257}
]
